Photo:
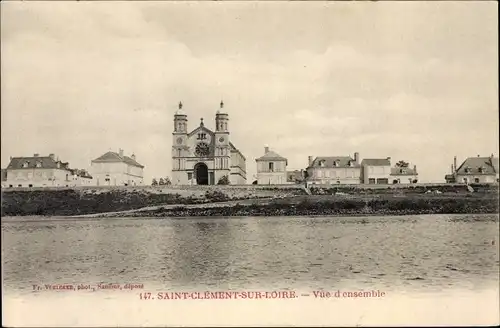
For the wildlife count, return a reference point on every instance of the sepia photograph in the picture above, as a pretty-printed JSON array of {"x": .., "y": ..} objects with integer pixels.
[{"x": 249, "y": 163}]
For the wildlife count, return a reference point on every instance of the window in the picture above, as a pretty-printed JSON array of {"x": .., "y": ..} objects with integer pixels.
[
  {"x": 10, "y": 186},
  {"x": 38, "y": 164},
  {"x": 322, "y": 163},
  {"x": 19, "y": 185},
  {"x": 25, "y": 164},
  {"x": 271, "y": 167},
  {"x": 190, "y": 176},
  {"x": 202, "y": 136},
  {"x": 30, "y": 185},
  {"x": 371, "y": 181},
  {"x": 476, "y": 180}
]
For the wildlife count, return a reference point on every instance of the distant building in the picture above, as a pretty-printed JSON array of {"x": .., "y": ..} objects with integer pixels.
[
  {"x": 295, "y": 176},
  {"x": 334, "y": 170},
  {"x": 404, "y": 175},
  {"x": 116, "y": 169},
  {"x": 4, "y": 175},
  {"x": 203, "y": 156},
  {"x": 271, "y": 168},
  {"x": 43, "y": 171},
  {"x": 376, "y": 170},
  {"x": 474, "y": 170}
]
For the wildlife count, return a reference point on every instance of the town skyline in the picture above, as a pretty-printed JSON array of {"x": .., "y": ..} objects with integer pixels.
[{"x": 309, "y": 79}]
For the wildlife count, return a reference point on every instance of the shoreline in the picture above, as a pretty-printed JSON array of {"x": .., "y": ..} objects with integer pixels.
[{"x": 231, "y": 202}]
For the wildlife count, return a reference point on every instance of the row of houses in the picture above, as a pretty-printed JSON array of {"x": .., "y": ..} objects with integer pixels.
[
  {"x": 117, "y": 169},
  {"x": 327, "y": 170},
  {"x": 109, "y": 169}
]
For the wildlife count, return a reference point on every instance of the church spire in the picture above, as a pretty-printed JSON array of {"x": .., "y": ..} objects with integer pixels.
[
  {"x": 180, "y": 104},
  {"x": 221, "y": 104}
]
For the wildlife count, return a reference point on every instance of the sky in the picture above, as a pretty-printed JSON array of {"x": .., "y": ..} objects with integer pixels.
[{"x": 414, "y": 81}]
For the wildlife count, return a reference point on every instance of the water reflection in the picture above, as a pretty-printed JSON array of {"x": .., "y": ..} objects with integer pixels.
[{"x": 285, "y": 252}]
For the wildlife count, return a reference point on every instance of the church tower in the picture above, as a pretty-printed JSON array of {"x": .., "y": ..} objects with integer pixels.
[
  {"x": 179, "y": 146},
  {"x": 222, "y": 146}
]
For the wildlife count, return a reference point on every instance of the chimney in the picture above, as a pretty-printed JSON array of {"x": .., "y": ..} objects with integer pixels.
[
  {"x": 414, "y": 169},
  {"x": 35, "y": 155},
  {"x": 310, "y": 158},
  {"x": 52, "y": 156},
  {"x": 454, "y": 164},
  {"x": 120, "y": 152},
  {"x": 266, "y": 149},
  {"x": 389, "y": 159},
  {"x": 452, "y": 170},
  {"x": 356, "y": 157},
  {"x": 133, "y": 157}
]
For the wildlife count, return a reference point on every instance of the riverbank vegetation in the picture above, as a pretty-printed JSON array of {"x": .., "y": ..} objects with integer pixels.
[{"x": 269, "y": 201}]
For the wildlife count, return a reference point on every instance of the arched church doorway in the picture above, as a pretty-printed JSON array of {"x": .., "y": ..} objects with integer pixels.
[{"x": 201, "y": 173}]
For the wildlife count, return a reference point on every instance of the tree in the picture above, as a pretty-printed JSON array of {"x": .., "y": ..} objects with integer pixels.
[
  {"x": 224, "y": 180},
  {"x": 154, "y": 183},
  {"x": 162, "y": 182},
  {"x": 402, "y": 164},
  {"x": 167, "y": 181}
]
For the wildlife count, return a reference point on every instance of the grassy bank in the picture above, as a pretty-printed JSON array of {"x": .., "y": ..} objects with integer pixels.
[
  {"x": 341, "y": 200},
  {"x": 308, "y": 206},
  {"x": 62, "y": 202}
]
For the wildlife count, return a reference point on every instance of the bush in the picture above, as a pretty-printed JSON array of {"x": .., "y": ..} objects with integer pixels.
[{"x": 223, "y": 180}]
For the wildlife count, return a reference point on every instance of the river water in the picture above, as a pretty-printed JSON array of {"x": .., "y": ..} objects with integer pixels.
[{"x": 410, "y": 255}]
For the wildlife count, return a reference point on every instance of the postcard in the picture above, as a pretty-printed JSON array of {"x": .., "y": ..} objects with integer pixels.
[{"x": 249, "y": 163}]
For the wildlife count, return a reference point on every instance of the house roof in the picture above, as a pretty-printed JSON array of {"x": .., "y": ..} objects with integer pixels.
[
  {"x": 403, "y": 171},
  {"x": 271, "y": 156},
  {"x": 112, "y": 157},
  {"x": 48, "y": 162},
  {"x": 343, "y": 161},
  {"x": 376, "y": 162},
  {"x": 489, "y": 165}
]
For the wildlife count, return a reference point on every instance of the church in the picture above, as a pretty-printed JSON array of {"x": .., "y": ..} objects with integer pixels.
[{"x": 203, "y": 156}]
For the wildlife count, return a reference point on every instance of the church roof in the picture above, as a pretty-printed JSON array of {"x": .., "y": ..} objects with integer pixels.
[
  {"x": 234, "y": 149},
  {"x": 112, "y": 157}
]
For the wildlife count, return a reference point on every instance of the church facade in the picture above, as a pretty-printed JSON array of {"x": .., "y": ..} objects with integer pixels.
[{"x": 203, "y": 156}]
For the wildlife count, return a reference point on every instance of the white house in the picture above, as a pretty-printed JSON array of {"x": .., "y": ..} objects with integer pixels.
[
  {"x": 116, "y": 169},
  {"x": 271, "y": 168}
]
